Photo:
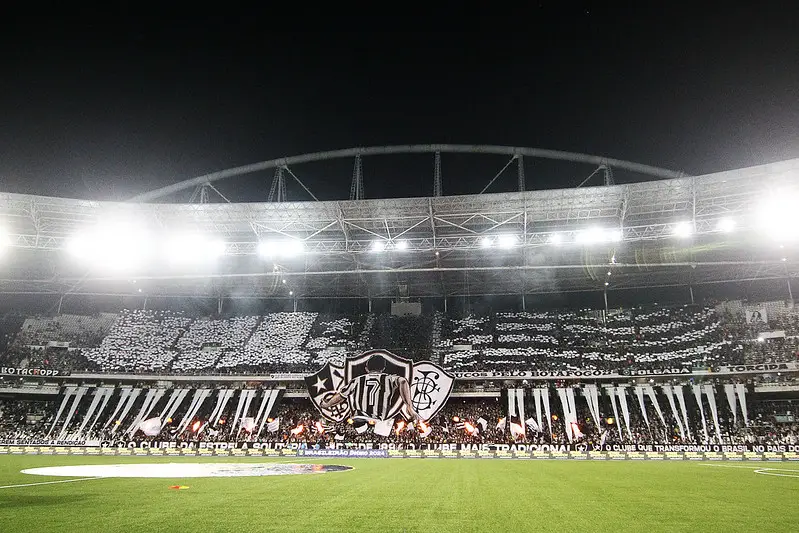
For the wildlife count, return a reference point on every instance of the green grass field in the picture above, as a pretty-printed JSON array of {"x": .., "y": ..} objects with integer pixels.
[{"x": 397, "y": 495}]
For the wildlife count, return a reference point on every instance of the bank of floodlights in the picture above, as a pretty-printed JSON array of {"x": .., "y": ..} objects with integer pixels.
[{"x": 504, "y": 241}]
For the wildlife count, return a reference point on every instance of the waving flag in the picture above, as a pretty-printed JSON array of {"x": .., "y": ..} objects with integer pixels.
[
  {"x": 532, "y": 424},
  {"x": 501, "y": 424},
  {"x": 248, "y": 424},
  {"x": 151, "y": 427},
  {"x": 424, "y": 429}
]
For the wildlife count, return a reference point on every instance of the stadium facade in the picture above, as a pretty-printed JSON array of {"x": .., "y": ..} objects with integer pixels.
[{"x": 679, "y": 231}]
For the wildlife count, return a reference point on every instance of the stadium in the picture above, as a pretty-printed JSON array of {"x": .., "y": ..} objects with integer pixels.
[{"x": 622, "y": 356}]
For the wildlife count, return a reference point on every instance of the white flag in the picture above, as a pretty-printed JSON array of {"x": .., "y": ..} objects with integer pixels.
[
  {"x": 248, "y": 424},
  {"x": 151, "y": 427},
  {"x": 273, "y": 426},
  {"x": 532, "y": 424},
  {"x": 501, "y": 424},
  {"x": 424, "y": 429},
  {"x": 483, "y": 423},
  {"x": 384, "y": 427}
]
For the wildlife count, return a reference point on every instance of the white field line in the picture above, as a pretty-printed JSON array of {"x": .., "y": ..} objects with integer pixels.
[
  {"x": 48, "y": 482},
  {"x": 761, "y": 470}
]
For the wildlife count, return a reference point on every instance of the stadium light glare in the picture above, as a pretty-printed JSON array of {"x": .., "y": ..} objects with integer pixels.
[
  {"x": 401, "y": 245},
  {"x": 779, "y": 218},
  {"x": 725, "y": 225},
  {"x": 682, "y": 229},
  {"x": 193, "y": 249},
  {"x": 598, "y": 236},
  {"x": 285, "y": 248},
  {"x": 378, "y": 246},
  {"x": 486, "y": 242},
  {"x": 556, "y": 239},
  {"x": 507, "y": 241},
  {"x": 112, "y": 246}
]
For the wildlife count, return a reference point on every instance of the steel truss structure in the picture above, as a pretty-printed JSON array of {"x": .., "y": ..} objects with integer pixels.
[{"x": 509, "y": 243}]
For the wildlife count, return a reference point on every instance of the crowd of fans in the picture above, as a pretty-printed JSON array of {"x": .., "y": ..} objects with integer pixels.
[
  {"x": 172, "y": 342},
  {"x": 472, "y": 420},
  {"x": 678, "y": 337}
]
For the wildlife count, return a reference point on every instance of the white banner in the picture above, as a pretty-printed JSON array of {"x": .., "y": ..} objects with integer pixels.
[
  {"x": 134, "y": 393},
  {"x": 75, "y": 402},
  {"x": 611, "y": 391},
  {"x": 711, "y": 400},
  {"x": 196, "y": 402},
  {"x": 67, "y": 394},
  {"x": 740, "y": 391},
  {"x": 545, "y": 401},
  {"x": 678, "y": 392},
  {"x": 625, "y": 411},
  {"x": 698, "y": 397},
  {"x": 123, "y": 397},
  {"x": 667, "y": 390},
  {"x": 109, "y": 391},
  {"x": 652, "y": 398},
  {"x": 757, "y": 316},
  {"x": 98, "y": 395},
  {"x": 729, "y": 392},
  {"x": 639, "y": 393},
  {"x": 564, "y": 402}
]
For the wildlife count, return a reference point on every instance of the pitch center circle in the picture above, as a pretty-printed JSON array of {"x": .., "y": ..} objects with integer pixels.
[{"x": 185, "y": 470}]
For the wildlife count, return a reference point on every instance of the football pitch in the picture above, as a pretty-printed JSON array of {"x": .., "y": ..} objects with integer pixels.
[{"x": 407, "y": 495}]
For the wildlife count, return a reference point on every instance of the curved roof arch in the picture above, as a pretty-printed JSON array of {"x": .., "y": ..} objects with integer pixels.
[{"x": 482, "y": 149}]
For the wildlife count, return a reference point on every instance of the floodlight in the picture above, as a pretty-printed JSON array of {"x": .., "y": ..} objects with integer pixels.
[
  {"x": 5, "y": 241},
  {"x": 281, "y": 248},
  {"x": 507, "y": 241},
  {"x": 779, "y": 217},
  {"x": 401, "y": 245},
  {"x": 598, "y": 235},
  {"x": 115, "y": 246},
  {"x": 682, "y": 229},
  {"x": 193, "y": 248},
  {"x": 725, "y": 225},
  {"x": 556, "y": 238},
  {"x": 378, "y": 246},
  {"x": 486, "y": 242}
]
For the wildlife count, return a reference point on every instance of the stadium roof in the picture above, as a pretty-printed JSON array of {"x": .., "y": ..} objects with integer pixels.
[{"x": 678, "y": 231}]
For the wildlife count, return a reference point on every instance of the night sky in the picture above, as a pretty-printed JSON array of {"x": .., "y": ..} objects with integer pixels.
[{"x": 105, "y": 109}]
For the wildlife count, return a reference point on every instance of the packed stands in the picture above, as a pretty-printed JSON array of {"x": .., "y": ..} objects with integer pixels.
[
  {"x": 770, "y": 422},
  {"x": 686, "y": 336},
  {"x": 174, "y": 342},
  {"x": 141, "y": 341}
]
